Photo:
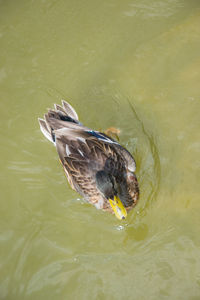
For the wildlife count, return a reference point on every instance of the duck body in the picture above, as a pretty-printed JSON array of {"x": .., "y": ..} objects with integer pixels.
[{"x": 96, "y": 166}]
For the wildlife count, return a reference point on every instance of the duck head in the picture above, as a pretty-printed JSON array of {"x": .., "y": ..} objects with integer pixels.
[{"x": 106, "y": 183}]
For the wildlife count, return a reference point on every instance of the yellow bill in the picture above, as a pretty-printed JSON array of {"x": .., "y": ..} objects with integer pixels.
[{"x": 118, "y": 208}]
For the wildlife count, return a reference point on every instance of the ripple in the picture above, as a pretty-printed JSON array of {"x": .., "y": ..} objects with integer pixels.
[{"x": 148, "y": 162}]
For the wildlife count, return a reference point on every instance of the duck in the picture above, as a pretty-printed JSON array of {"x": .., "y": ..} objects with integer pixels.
[{"x": 96, "y": 166}]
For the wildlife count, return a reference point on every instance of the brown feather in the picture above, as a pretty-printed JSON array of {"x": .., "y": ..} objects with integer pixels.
[{"x": 83, "y": 154}]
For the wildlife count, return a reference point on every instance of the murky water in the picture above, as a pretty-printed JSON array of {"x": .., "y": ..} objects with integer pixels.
[{"x": 134, "y": 65}]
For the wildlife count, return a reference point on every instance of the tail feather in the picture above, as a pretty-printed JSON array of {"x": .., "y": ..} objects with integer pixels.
[
  {"x": 60, "y": 108},
  {"x": 53, "y": 117},
  {"x": 45, "y": 130},
  {"x": 69, "y": 110}
]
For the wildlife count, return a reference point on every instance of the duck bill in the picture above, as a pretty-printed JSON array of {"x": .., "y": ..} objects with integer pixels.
[{"x": 118, "y": 208}]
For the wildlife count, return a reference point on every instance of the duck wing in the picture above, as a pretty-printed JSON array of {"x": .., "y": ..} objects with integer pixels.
[{"x": 83, "y": 153}]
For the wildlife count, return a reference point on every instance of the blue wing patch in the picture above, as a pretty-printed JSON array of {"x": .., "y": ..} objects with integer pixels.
[{"x": 101, "y": 136}]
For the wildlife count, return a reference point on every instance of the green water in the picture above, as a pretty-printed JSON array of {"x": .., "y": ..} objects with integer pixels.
[{"x": 132, "y": 64}]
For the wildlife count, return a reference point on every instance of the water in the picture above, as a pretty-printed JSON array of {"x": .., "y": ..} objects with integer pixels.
[{"x": 129, "y": 64}]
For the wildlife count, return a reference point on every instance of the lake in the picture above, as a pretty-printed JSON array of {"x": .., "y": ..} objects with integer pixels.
[{"x": 133, "y": 65}]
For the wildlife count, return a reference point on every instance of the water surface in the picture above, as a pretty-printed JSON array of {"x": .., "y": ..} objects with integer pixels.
[{"x": 129, "y": 64}]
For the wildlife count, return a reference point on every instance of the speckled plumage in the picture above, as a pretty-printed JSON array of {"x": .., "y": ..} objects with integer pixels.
[{"x": 84, "y": 152}]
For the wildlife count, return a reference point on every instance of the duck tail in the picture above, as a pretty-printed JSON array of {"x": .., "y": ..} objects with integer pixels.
[{"x": 53, "y": 117}]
